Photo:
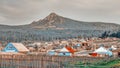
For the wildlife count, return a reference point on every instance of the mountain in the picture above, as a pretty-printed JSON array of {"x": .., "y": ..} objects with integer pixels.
[
  {"x": 51, "y": 19},
  {"x": 54, "y": 27},
  {"x": 56, "y": 21}
]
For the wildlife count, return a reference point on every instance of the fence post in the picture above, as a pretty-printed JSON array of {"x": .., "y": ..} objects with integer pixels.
[
  {"x": 42, "y": 62},
  {"x": 12, "y": 61}
]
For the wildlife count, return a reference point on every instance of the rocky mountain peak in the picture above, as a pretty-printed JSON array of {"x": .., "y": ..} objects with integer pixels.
[
  {"x": 53, "y": 14},
  {"x": 52, "y": 18}
]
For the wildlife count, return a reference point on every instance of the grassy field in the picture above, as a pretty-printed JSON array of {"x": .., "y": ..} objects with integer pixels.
[{"x": 101, "y": 64}]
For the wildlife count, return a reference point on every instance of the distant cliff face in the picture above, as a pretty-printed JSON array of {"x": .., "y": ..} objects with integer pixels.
[{"x": 55, "y": 26}]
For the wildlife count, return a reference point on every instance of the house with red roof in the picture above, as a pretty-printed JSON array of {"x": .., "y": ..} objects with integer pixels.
[{"x": 66, "y": 51}]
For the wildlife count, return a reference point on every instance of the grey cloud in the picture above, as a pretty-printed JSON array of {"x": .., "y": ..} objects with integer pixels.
[
  {"x": 25, "y": 11},
  {"x": 2, "y": 18}
]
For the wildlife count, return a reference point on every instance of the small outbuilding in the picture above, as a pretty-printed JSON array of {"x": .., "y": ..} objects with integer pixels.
[{"x": 15, "y": 47}]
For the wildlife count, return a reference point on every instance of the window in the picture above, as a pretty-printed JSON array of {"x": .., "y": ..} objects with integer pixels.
[
  {"x": 10, "y": 48},
  {"x": 63, "y": 53}
]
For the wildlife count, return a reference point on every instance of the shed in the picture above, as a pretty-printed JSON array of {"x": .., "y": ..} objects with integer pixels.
[{"x": 15, "y": 47}]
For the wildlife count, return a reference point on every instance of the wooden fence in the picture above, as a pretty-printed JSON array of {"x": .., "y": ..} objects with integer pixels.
[{"x": 44, "y": 61}]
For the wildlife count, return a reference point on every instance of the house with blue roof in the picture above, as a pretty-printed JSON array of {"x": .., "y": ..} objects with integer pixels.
[{"x": 15, "y": 47}]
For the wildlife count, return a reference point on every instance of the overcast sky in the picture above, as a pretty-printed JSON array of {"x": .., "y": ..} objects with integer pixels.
[{"x": 18, "y": 12}]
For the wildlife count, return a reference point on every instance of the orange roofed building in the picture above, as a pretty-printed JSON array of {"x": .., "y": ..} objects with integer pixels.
[{"x": 66, "y": 51}]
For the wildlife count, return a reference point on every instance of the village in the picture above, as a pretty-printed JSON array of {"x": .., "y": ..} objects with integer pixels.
[{"x": 92, "y": 47}]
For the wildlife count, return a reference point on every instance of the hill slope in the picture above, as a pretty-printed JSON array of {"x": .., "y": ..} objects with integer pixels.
[
  {"x": 55, "y": 21},
  {"x": 56, "y": 27}
]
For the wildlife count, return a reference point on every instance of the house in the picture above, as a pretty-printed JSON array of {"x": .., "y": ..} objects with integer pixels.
[
  {"x": 113, "y": 48},
  {"x": 116, "y": 52},
  {"x": 64, "y": 42},
  {"x": 77, "y": 47},
  {"x": 66, "y": 51},
  {"x": 85, "y": 44},
  {"x": 31, "y": 49},
  {"x": 102, "y": 52},
  {"x": 15, "y": 47},
  {"x": 51, "y": 52}
]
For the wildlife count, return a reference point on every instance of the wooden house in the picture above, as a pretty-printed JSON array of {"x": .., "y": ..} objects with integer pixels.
[
  {"x": 15, "y": 47},
  {"x": 116, "y": 52}
]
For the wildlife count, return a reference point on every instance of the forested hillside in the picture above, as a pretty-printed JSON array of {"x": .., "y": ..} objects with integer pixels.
[{"x": 57, "y": 27}]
